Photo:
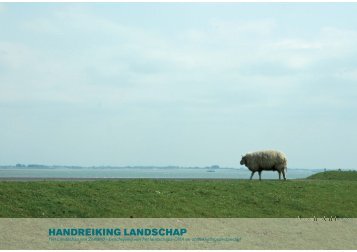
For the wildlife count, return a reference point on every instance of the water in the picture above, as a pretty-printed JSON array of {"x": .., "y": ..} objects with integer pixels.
[{"x": 132, "y": 172}]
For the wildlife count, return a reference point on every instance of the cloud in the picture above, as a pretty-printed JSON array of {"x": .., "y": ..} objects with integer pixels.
[
  {"x": 220, "y": 82},
  {"x": 326, "y": 46},
  {"x": 87, "y": 59},
  {"x": 297, "y": 44},
  {"x": 236, "y": 31},
  {"x": 2, "y": 8},
  {"x": 42, "y": 25},
  {"x": 346, "y": 74}
]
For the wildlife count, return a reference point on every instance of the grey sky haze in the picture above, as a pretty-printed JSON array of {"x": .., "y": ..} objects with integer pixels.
[{"x": 187, "y": 84}]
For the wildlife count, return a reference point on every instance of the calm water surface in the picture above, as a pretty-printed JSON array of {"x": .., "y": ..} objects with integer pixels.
[{"x": 222, "y": 173}]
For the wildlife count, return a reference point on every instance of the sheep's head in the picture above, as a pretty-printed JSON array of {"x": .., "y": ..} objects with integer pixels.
[{"x": 243, "y": 161}]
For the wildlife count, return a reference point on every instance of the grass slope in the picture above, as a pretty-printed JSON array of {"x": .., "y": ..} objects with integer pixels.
[
  {"x": 335, "y": 175},
  {"x": 180, "y": 198}
]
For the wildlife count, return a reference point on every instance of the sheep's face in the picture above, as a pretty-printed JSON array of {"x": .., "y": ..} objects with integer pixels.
[{"x": 243, "y": 161}]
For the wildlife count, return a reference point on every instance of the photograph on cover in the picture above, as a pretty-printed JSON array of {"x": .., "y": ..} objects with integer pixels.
[{"x": 178, "y": 125}]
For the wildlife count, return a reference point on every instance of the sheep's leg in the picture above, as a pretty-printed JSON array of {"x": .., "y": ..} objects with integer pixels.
[
  {"x": 260, "y": 175},
  {"x": 279, "y": 175},
  {"x": 284, "y": 174},
  {"x": 251, "y": 176}
]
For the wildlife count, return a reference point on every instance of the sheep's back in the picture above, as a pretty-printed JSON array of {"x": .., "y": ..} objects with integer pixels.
[{"x": 266, "y": 159}]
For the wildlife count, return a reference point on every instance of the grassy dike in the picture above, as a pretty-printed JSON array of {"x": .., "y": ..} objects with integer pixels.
[{"x": 324, "y": 194}]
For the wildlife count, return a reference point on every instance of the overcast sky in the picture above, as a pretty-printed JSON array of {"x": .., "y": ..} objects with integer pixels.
[{"x": 178, "y": 84}]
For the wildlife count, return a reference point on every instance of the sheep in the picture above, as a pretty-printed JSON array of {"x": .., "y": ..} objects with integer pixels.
[{"x": 267, "y": 160}]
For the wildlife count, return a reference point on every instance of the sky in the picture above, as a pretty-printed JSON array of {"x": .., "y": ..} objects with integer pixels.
[{"x": 187, "y": 84}]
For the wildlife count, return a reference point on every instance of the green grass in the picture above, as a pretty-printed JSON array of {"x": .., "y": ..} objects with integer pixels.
[
  {"x": 335, "y": 175},
  {"x": 140, "y": 198}
]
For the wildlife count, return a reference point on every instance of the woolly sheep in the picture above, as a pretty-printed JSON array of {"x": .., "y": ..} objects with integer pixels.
[{"x": 267, "y": 160}]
